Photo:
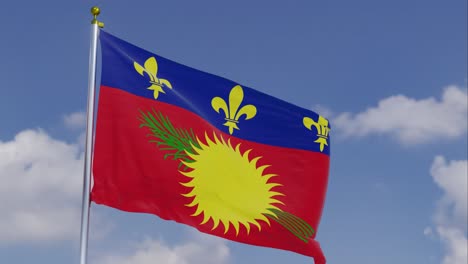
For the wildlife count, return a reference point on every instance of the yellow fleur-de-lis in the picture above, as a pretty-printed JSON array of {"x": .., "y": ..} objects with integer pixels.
[
  {"x": 151, "y": 69},
  {"x": 233, "y": 112},
  {"x": 322, "y": 130}
]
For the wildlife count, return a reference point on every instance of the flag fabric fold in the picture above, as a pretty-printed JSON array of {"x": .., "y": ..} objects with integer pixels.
[{"x": 208, "y": 152}]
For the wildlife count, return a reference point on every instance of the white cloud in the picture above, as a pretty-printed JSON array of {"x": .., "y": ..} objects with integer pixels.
[
  {"x": 428, "y": 232},
  {"x": 453, "y": 179},
  {"x": 451, "y": 212},
  {"x": 201, "y": 249},
  {"x": 323, "y": 111},
  {"x": 456, "y": 245},
  {"x": 411, "y": 120},
  {"x": 75, "y": 120},
  {"x": 41, "y": 186}
]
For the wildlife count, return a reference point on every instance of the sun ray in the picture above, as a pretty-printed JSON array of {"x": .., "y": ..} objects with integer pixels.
[
  {"x": 205, "y": 219},
  {"x": 226, "y": 225},
  {"x": 236, "y": 226},
  {"x": 269, "y": 176},
  {"x": 215, "y": 223},
  {"x": 272, "y": 185},
  {"x": 261, "y": 169},
  {"x": 255, "y": 223},
  {"x": 276, "y": 194},
  {"x": 197, "y": 212}
]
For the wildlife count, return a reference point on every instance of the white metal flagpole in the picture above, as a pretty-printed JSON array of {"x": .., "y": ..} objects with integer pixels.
[{"x": 95, "y": 25}]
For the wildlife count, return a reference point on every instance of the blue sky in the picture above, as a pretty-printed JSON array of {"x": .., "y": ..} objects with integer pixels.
[{"x": 390, "y": 75}]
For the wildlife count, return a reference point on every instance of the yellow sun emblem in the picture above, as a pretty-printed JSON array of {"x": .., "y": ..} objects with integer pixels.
[{"x": 242, "y": 195}]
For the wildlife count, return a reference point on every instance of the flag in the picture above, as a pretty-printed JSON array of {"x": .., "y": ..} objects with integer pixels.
[{"x": 207, "y": 152}]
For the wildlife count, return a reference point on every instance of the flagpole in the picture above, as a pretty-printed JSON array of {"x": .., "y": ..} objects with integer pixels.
[{"x": 95, "y": 25}]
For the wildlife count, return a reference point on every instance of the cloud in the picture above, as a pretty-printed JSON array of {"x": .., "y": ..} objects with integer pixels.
[
  {"x": 41, "y": 188},
  {"x": 451, "y": 212},
  {"x": 201, "y": 249},
  {"x": 323, "y": 111},
  {"x": 428, "y": 232},
  {"x": 451, "y": 177},
  {"x": 410, "y": 120},
  {"x": 75, "y": 120},
  {"x": 456, "y": 245}
]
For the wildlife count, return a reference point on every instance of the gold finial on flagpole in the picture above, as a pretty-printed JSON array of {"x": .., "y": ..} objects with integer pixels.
[{"x": 95, "y": 11}]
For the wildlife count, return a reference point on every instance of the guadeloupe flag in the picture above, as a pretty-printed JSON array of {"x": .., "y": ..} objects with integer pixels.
[{"x": 207, "y": 152}]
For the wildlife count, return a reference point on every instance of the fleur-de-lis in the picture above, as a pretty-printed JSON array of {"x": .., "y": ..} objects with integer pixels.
[
  {"x": 151, "y": 69},
  {"x": 322, "y": 130},
  {"x": 233, "y": 112}
]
